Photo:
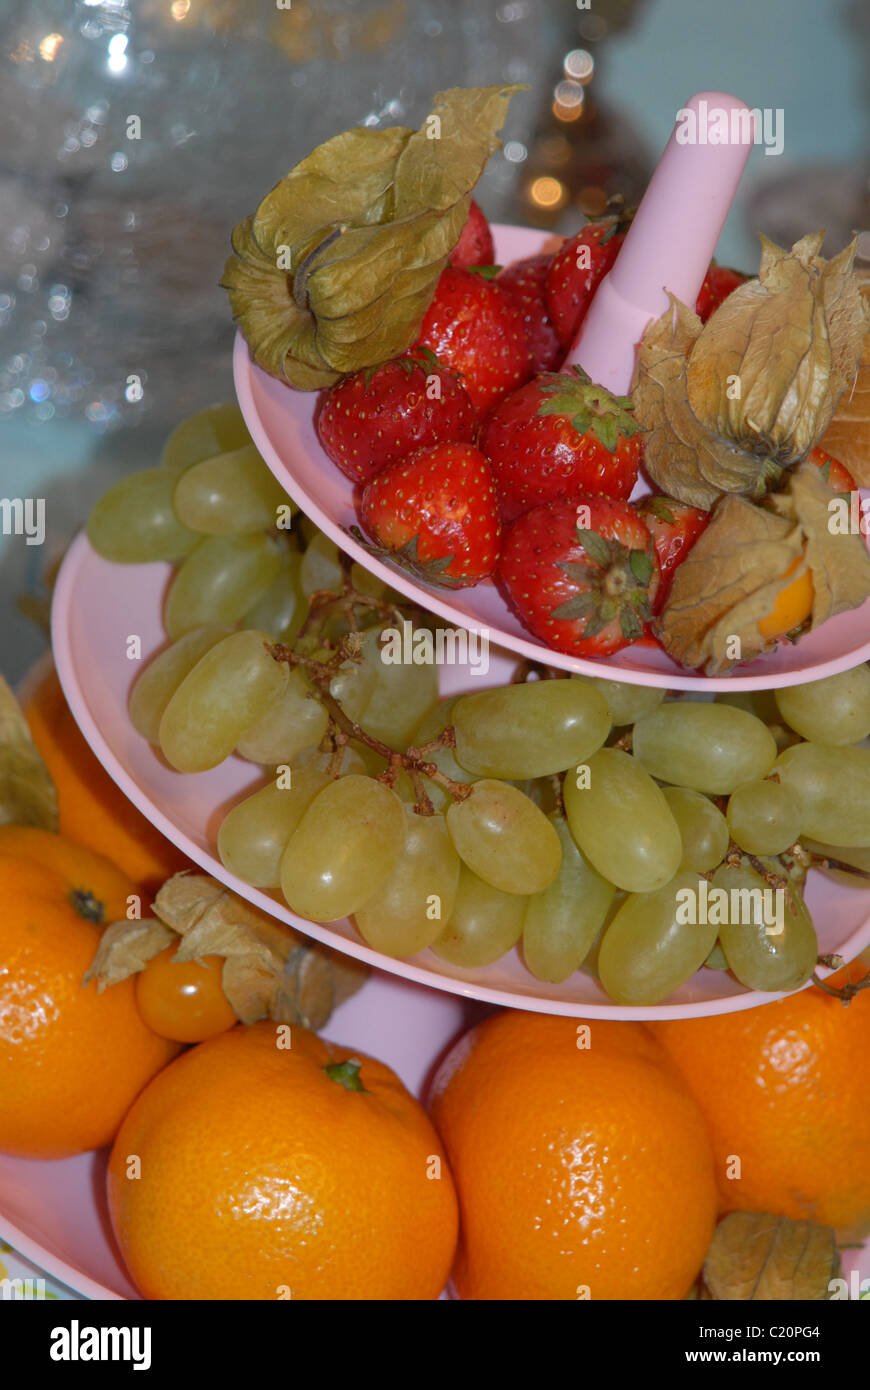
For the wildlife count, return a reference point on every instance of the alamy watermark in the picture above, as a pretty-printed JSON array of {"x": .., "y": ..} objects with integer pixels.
[
  {"x": 23, "y": 516},
  {"x": 446, "y": 646},
  {"x": 717, "y": 125},
  {"x": 720, "y": 907}
]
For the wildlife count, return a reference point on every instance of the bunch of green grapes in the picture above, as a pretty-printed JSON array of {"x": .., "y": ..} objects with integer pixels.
[{"x": 573, "y": 818}]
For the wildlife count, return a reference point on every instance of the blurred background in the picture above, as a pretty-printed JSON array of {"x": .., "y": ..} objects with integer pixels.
[{"x": 135, "y": 133}]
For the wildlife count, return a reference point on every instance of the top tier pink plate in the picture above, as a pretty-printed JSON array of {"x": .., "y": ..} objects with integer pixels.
[{"x": 281, "y": 424}]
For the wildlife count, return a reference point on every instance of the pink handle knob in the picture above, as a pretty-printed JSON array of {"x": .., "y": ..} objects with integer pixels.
[{"x": 672, "y": 238}]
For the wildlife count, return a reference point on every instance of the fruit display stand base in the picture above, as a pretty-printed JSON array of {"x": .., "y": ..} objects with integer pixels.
[
  {"x": 281, "y": 422},
  {"x": 98, "y": 606},
  {"x": 54, "y": 1213}
]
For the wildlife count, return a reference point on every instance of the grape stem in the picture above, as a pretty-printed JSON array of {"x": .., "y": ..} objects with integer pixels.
[
  {"x": 735, "y": 856},
  {"x": 343, "y": 729}
]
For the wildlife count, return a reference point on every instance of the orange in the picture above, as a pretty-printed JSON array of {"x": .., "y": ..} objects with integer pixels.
[
  {"x": 262, "y": 1176},
  {"x": 72, "y": 1061},
  {"x": 93, "y": 811},
  {"x": 793, "y": 604},
  {"x": 582, "y": 1171},
  {"x": 786, "y": 1092}
]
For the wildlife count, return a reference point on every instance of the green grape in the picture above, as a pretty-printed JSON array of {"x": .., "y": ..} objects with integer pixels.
[
  {"x": 350, "y": 760},
  {"x": 761, "y": 703},
  {"x": 402, "y": 695},
  {"x": 344, "y": 848},
  {"x": 832, "y": 786},
  {"x": 712, "y": 748},
  {"x": 283, "y": 608},
  {"x": 161, "y": 678},
  {"x": 409, "y": 910},
  {"x": 228, "y": 690},
  {"x": 622, "y": 822},
  {"x": 626, "y": 703},
  {"x": 221, "y": 579},
  {"x": 717, "y": 959},
  {"x": 134, "y": 522},
  {"x": 254, "y": 834},
  {"x": 320, "y": 567},
  {"x": 484, "y": 925},
  {"x": 562, "y": 922},
  {"x": 369, "y": 584},
  {"x": 856, "y": 856},
  {"x": 530, "y": 730},
  {"x": 764, "y": 817},
  {"x": 768, "y": 943},
  {"x": 703, "y": 828},
  {"x": 835, "y": 710},
  {"x": 229, "y": 494},
  {"x": 215, "y": 430},
  {"x": 295, "y": 720},
  {"x": 653, "y": 945},
  {"x": 353, "y": 686},
  {"x": 503, "y": 836},
  {"x": 589, "y": 963}
]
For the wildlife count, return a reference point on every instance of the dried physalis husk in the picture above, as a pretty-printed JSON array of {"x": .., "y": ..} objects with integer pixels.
[
  {"x": 125, "y": 948},
  {"x": 27, "y": 793},
  {"x": 748, "y": 554},
  {"x": 790, "y": 341},
  {"x": 755, "y": 1256},
  {"x": 683, "y": 458},
  {"x": 338, "y": 265},
  {"x": 848, "y": 435},
  {"x": 732, "y": 404},
  {"x": 269, "y": 971}
]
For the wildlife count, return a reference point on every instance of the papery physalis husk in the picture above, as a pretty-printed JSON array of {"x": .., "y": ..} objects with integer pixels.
[
  {"x": 848, "y": 435},
  {"x": 269, "y": 971},
  {"x": 126, "y": 948},
  {"x": 27, "y": 793},
  {"x": 338, "y": 265},
  {"x": 755, "y": 1256},
  {"x": 731, "y": 404},
  {"x": 683, "y": 459},
  {"x": 731, "y": 577}
]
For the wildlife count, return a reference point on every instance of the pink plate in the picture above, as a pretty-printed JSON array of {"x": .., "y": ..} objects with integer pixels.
[
  {"x": 54, "y": 1213},
  {"x": 281, "y": 424},
  {"x": 99, "y": 605}
]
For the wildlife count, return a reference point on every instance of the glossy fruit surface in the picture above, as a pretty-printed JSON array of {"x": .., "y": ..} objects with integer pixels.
[
  {"x": 183, "y": 1000},
  {"x": 582, "y": 1164},
  {"x": 275, "y": 1165},
  {"x": 72, "y": 1060},
  {"x": 560, "y": 436},
  {"x": 784, "y": 1089},
  {"x": 473, "y": 327}
]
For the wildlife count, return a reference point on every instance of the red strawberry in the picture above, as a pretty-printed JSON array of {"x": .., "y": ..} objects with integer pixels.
[
  {"x": 435, "y": 514},
  {"x": 718, "y": 284},
  {"x": 581, "y": 575},
  {"x": 475, "y": 245},
  {"x": 524, "y": 282},
  {"x": 578, "y": 268},
  {"x": 835, "y": 473},
  {"x": 674, "y": 527},
  {"x": 557, "y": 436},
  {"x": 377, "y": 416},
  {"x": 474, "y": 328}
]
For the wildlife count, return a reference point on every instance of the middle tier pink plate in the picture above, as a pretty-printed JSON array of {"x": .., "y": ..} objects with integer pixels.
[{"x": 98, "y": 606}]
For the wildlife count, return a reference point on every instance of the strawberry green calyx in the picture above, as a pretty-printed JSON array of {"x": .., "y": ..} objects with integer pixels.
[
  {"x": 615, "y": 583},
  {"x": 590, "y": 408},
  {"x": 432, "y": 571}
]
